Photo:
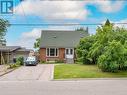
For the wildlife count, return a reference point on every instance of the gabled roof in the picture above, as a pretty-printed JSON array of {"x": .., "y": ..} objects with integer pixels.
[
  {"x": 61, "y": 38},
  {"x": 9, "y": 48},
  {"x": 24, "y": 49},
  {"x": 13, "y": 48}
]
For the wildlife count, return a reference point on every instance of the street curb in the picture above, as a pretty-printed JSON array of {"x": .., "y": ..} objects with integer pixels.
[
  {"x": 83, "y": 79},
  {"x": 7, "y": 72},
  {"x": 52, "y": 72}
]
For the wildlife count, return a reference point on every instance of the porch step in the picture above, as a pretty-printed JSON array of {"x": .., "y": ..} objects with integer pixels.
[{"x": 69, "y": 60}]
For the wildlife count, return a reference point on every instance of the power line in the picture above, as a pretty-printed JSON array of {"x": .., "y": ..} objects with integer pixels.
[
  {"x": 54, "y": 24},
  {"x": 61, "y": 24}
]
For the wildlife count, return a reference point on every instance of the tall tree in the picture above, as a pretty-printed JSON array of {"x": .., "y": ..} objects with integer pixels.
[
  {"x": 37, "y": 43},
  {"x": 107, "y": 48},
  {"x": 107, "y": 23},
  {"x": 4, "y": 24},
  {"x": 84, "y": 30}
]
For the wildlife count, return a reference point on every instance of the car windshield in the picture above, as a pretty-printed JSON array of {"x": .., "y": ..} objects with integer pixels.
[{"x": 31, "y": 59}]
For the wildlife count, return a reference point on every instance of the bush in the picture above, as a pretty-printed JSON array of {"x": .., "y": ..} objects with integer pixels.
[
  {"x": 20, "y": 61},
  {"x": 82, "y": 49},
  {"x": 59, "y": 61},
  {"x": 107, "y": 48},
  {"x": 112, "y": 59},
  {"x": 107, "y": 65},
  {"x": 13, "y": 66},
  {"x": 42, "y": 62}
]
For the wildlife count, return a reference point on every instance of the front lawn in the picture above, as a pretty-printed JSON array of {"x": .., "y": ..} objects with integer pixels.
[{"x": 66, "y": 71}]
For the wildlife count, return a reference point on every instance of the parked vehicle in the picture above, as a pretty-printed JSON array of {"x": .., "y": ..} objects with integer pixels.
[{"x": 31, "y": 61}]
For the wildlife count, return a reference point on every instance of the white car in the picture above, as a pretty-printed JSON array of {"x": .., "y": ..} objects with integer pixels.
[{"x": 31, "y": 61}]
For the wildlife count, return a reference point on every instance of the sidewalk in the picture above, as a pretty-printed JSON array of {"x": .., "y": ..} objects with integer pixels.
[{"x": 4, "y": 69}]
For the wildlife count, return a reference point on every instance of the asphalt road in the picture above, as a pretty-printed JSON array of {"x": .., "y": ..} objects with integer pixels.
[
  {"x": 26, "y": 73},
  {"x": 86, "y": 87},
  {"x": 35, "y": 80}
]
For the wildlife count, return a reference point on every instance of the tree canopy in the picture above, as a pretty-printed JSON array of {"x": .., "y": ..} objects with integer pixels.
[
  {"x": 107, "y": 48},
  {"x": 37, "y": 43},
  {"x": 4, "y": 24}
]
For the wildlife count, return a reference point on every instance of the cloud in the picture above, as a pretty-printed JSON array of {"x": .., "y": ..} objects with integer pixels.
[
  {"x": 27, "y": 39},
  {"x": 49, "y": 10},
  {"x": 121, "y": 21},
  {"x": 35, "y": 33},
  {"x": 110, "y": 7},
  {"x": 53, "y": 9}
]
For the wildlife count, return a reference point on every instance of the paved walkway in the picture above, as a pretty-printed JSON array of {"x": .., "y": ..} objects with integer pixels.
[{"x": 39, "y": 72}]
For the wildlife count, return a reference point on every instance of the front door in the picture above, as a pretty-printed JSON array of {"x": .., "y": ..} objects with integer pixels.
[{"x": 69, "y": 53}]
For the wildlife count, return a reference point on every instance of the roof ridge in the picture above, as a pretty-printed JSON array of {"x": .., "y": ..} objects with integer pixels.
[{"x": 58, "y": 30}]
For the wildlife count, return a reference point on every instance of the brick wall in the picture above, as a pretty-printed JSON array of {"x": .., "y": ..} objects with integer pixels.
[
  {"x": 61, "y": 53},
  {"x": 42, "y": 54},
  {"x": 44, "y": 58}
]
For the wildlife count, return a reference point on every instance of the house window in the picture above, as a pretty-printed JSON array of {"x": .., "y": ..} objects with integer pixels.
[
  {"x": 47, "y": 51},
  {"x": 71, "y": 51},
  {"x": 67, "y": 51},
  {"x": 52, "y": 52}
]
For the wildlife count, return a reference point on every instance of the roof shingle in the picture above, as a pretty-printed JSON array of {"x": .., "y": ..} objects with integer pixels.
[{"x": 60, "y": 38}]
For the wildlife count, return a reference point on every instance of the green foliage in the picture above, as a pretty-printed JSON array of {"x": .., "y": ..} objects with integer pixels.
[
  {"x": 13, "y": 66},
  {"x": 37, "y": 43},
  {"x": 83, "y": 49},
  {"x": 42, "y": 62},
  {"x": 84, "y": 30},
  {"x": 59, "y": 61},
  {"x": 20, "y": 61},
  {"x": 3, "y": 28},
  {"x": 107, "y": 48},
  {"x": 112, "y": 59}
]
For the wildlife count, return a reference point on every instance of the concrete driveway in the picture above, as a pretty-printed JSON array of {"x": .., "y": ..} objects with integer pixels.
[{"x": 40, "y": 72}]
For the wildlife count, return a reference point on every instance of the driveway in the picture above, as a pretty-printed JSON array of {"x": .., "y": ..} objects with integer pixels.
[{"x": 39, "y": 72}]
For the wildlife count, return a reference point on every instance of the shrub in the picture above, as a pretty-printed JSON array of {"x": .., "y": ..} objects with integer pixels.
[
  {"x": 42, "y": 62},
  {"x": 112, "y": 59},
  {"x": 20, "y": 60},
  {"x": 107, "y": 48},
  {"x": 107, "y": 65},
  {"x": 59, "y": 61},
  {"x": 83, "y": 49}
]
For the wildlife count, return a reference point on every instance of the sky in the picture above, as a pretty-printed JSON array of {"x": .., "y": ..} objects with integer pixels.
[{"x": 65, "y": 12}]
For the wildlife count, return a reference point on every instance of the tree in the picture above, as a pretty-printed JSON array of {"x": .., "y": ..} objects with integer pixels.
[
  {"x": 108, "y": 49},
  {"x": 107, "y": 23},
  {"x": 112, "y": 59},
  {"x": 103, "y": 35},
  {"x": 84, "y": 30},
  {"x": 83, "y": 49},
  {"x": 4, "y": 24},
  {"x": 37, "y": 43}
]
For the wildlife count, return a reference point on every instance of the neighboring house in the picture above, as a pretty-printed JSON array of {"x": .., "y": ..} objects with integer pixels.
[
  {"x": 7, "y": 53},
  {"x": 59, "y": 45}
]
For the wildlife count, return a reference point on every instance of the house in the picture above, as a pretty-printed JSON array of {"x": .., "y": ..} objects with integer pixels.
[
  {"x": 7, "y": 53},
  {"x": 59, "y": 45}
]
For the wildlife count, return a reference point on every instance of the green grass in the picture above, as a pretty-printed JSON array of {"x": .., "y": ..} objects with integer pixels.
[{"x": 66, "y": 71}]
